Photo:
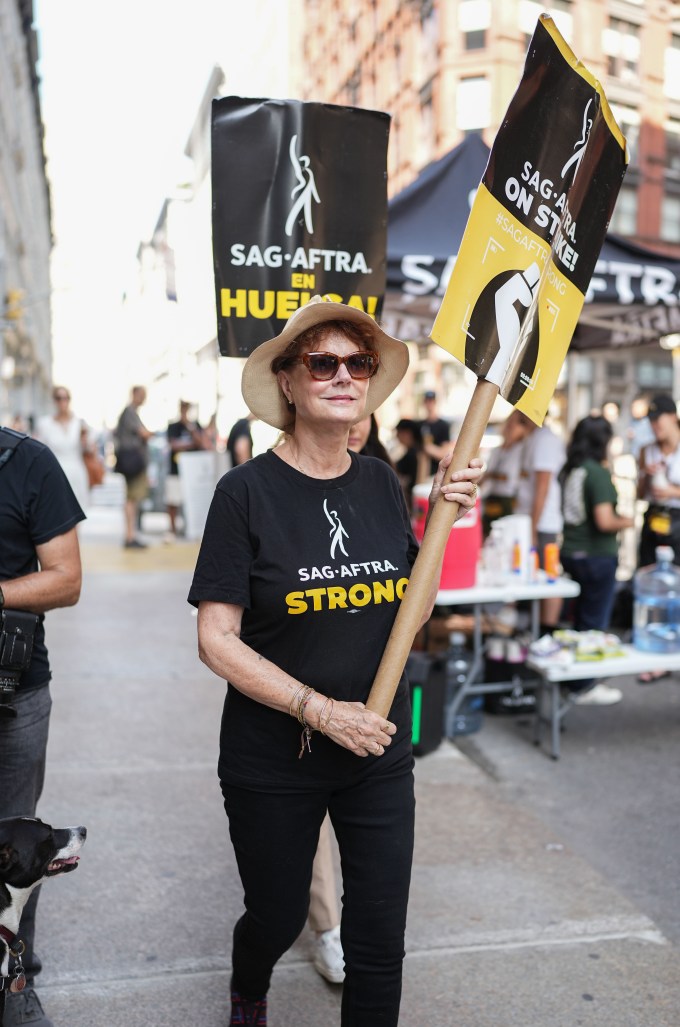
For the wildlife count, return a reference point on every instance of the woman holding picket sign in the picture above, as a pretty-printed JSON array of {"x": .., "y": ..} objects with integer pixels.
[{"x": 306, "y": 553}]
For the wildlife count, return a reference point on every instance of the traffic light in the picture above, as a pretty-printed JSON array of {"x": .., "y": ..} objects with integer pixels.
[{"x": 14, "y": 309}]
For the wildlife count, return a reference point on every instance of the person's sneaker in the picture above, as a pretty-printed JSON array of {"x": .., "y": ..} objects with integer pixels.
[
  {"x": 24, "y": 1008},
  {"x": 598, "y": 695},
  {"x": 329, "y": 959},
  {"x": 246, "y": 1011},
  {"x": 135, "y": 544}
]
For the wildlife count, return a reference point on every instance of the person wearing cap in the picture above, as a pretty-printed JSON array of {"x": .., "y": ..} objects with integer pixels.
[
  {"x": 435, "y": 432},
  {"x": 659, "y": 481},
  {"x": 306, "y": 553}
]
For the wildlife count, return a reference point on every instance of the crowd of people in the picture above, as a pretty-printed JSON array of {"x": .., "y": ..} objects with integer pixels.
[
  {"x": 302, "y": 759},
  {"x": 572, "y": 500}
]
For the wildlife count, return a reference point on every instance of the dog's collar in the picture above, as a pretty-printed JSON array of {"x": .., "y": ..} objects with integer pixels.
[{"x": 7, "y": 935}]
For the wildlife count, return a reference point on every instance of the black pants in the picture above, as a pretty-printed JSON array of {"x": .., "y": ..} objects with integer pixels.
[
  {"x": 275, "y": 838},
  {"x": 23, "y": 748}
]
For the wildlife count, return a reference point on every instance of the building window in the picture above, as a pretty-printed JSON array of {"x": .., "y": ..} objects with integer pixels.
[
  {"x": 624, "y": 218},
  {"x": 670, "y": 219},
  {"x": 651, "y": 375},
  {"x": 672, "y": 68},
  {"x": 473, "y": 103},
  {"x": 621, "y": 43},
  {"x": 474, "y": 17},
  {"x": 475, "y": 40},
  {"x": 628, "y": 120}
]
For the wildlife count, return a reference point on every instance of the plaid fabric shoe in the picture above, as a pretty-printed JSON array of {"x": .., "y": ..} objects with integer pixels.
[{"x": 246, "y": 1011}]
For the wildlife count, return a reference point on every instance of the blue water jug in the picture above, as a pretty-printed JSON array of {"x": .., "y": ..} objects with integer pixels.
[
  {"x": 656, "y": 612},
  {"x": 468, "y": 717}
]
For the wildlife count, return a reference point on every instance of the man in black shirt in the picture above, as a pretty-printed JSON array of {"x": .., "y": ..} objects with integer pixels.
[
  {"x": 39, "y": 571},
  {"x": 184, "y": 436},
  {"x": 435, "y": 432}
]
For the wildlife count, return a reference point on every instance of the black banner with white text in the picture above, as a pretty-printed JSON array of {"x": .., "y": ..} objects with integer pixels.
[{"x": 299, "y": 208}]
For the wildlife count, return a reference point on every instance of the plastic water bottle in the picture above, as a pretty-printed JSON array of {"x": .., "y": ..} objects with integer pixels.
[
  {"x": 468, "y": 716},
  {"x": 656, "y": 615}
]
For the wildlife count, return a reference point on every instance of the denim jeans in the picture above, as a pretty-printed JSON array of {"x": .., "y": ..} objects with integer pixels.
[
  {"x": 23, "y": 747},
  {"x": 275, "y": 837},
  {"x": 597, "y": 577}
]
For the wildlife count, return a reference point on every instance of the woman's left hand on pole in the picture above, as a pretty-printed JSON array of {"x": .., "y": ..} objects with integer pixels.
[
  {"x": 360, "y": 730},
  {"x": 462, "y": 488}
]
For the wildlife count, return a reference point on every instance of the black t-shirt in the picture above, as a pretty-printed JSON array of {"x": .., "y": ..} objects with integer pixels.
[
  {"x": 36, "y": 504},
  {"x": 438, "y": 432},
  {"x": 241, "y": 430},
  {"x": 407, "y": 467},
  {"x": 178, "y": 432},
  {"x": 319, "y": 567}
]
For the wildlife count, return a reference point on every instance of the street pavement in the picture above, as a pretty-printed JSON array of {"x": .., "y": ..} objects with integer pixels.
[{"x": 508, "y": 925}]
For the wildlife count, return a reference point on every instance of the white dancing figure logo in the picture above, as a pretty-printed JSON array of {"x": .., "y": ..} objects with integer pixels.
[
  {"x": 304, "y": 192},
  {"x": 337, "y": 531},
  {"x": 580, "y": 145}
]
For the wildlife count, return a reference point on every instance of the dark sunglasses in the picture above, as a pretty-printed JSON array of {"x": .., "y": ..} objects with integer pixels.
[
  {"x": 324, "y": 366},
  {"x": 61, "y": 395}
]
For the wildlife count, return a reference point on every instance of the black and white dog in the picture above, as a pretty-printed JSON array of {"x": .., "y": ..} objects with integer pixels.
[{"x": 30, "y": 853}]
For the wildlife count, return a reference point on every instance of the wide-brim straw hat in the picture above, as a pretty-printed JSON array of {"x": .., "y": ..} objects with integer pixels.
[{"x": 261, "y": 390}]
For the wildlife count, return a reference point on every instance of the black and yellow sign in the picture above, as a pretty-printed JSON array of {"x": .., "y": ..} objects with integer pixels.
[
  {"x": 299, "y": 208},
  {"x": 535, "y": 229}
]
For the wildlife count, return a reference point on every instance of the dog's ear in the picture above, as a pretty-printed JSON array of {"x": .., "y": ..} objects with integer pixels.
[{"x": 6, "y": 856}]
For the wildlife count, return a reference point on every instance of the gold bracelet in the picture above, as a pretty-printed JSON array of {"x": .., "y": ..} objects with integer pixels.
[
  {"x": 323, "y": 709},
  {"x": 306, "y": 693},
  {"x": 294, "y": 700},
  {"x": 322, "y": 727}
]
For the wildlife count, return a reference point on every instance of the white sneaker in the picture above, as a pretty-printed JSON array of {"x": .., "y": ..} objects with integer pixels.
[
  {"x": 598, "y": 695},
  {"x": 329, "y": 959}
]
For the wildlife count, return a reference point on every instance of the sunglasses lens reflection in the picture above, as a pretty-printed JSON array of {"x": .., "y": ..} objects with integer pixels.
[
  {"x": 324, "y": 366},
  {"x": 360, "y": 365}
]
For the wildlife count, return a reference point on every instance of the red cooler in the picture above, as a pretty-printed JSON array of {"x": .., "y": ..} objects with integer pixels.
[{"x": 462, "y": 551}]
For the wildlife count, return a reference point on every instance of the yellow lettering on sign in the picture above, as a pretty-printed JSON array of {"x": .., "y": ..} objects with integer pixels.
[
  {"x": 264, "y": 310},
  {"x": 281, "y": 304},
  {"x": 286, "y": 304},
  {"x": 237, "y": 303},
  {"x": 302, "y": 281}
]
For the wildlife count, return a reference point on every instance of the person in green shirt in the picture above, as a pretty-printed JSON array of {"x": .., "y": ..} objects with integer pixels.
[{"x": 590, "y": 546}]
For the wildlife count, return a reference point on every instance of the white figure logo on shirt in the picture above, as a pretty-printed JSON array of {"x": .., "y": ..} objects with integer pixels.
[{"x": 337, "y": 531}]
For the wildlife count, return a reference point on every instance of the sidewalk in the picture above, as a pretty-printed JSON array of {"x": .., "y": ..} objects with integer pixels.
[{"x": 506, "y": 925}]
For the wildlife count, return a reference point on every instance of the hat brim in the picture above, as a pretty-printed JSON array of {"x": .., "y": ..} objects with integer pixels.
[{"x": 261, "y": 390}]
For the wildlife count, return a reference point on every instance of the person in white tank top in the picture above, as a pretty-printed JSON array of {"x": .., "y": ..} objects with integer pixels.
[{"x": 66, "y": 435}]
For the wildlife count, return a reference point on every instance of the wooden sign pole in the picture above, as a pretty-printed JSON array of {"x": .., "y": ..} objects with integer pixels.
[{"x": 429, "y": 559}]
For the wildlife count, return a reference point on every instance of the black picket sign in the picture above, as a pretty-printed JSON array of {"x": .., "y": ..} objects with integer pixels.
[{"x": 299, "y": 209}]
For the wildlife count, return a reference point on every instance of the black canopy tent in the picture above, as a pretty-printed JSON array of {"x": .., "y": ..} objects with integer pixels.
[{"x": 634, "y": 294}]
